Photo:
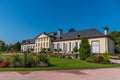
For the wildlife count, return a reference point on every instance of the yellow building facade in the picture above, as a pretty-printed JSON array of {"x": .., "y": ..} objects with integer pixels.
[{"x": 100, "y": 43}]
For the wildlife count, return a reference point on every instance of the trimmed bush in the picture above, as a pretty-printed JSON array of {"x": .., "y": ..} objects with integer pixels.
[
  {"x": 75, "y": 49},
  {"x": 85, "y": 49}
]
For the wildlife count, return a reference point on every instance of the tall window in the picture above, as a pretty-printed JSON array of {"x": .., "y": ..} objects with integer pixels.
[
  {"x": 46, "y": 44},
  {"x": 70, "y": 46},
  {"x": 58, "y": 46},
  {"x": 95, "y": 46},
  {"x": 76, "y": 44},
  {"x": 47, "y": 39},
  {"x": 64, "y": 49}
]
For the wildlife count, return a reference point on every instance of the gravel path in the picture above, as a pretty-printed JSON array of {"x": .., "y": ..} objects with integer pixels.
[{"x": 90, "y": 74}]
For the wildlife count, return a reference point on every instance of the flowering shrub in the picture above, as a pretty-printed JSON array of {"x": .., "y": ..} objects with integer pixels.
[
  {"x": 26, "y": 60},
  {"x": 5, "y": 64},
  {"x": 99, "y": 58}
]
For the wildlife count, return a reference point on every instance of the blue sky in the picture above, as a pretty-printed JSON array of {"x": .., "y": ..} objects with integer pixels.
[{"x": 25, "y": 19}]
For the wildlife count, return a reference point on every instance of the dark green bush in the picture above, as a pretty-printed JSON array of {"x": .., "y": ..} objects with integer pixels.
[
  {"x": 1, "y": 59},
  {"x": 85, "y": 49},
  {"x": 75, "y": 49}
]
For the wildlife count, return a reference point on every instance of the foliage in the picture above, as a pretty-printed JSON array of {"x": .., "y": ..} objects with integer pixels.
[
  {"x": 2, "y": 45},
  {"x": 72, "y": 30},
  {"x": 55, "y": 50},
  {"x": 48, "y": 49},
  {"x": 75, "y": 49},
  {"x": 91, "y": 58},
  {"x": 99, "y": 58},
  {"x": 43, "y": 58},
  {"x": 5, "y": 63},
  {"x": 64, "y": 64},
  {"x": 28, "y": 59},
  {"x": 60, "y": 55},
  {"x": 16, "y": 61},
  {"x": 43, "y": 50},
  {"x": 105, "y": 57},
  {"x": 17, "y": 46},
  {"x": 59, "y": 50},
  {"x": 1, "y": 59},
  {"x": 85, "y": 49},
  {"x": 115, "y": 35}
]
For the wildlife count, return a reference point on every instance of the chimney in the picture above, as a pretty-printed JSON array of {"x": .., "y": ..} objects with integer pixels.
[
  {"x": 106, "y": 30},
  {"x": 59, "y": 32}
]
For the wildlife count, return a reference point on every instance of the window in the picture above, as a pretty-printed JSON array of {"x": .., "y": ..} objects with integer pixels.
[
  {"x": 76, "y": 44},
  {"x": 46, "y": 39},
  {"x": 70, "y": 46},
  {"x": 64, "y": 49},
  {"x": 58, "y": 46},
  {"x": 46, "y": 44},
  {"x": 41, "y": 44},
  {"x": 95, "y": 46}
]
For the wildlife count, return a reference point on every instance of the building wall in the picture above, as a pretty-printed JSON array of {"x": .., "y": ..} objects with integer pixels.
[
  {"x": 111, "y": 45},
  {"x": 27, "y": 46},
  {"x": 103, "y": 44},
  {"x": 43, "y": 41}
]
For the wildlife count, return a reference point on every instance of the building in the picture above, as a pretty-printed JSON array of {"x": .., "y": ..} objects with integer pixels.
[{"x": 100, "y": 42}]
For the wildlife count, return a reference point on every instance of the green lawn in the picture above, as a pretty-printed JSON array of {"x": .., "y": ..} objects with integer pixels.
[{"x": 64, "y": 64}]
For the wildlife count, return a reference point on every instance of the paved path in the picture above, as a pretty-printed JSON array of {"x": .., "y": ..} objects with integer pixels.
[
  {"x": 115, "y": 61},
  {"x": 91, "y": 74}
]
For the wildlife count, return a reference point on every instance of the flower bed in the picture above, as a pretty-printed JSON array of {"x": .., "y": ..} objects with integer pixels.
[{"x": 26, "y": 60}]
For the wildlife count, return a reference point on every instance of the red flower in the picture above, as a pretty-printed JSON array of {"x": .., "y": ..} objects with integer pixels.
[{"x": 5, "y": 63}]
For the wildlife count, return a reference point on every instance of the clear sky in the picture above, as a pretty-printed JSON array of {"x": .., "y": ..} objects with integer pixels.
[{"x": 25, "y": 19}]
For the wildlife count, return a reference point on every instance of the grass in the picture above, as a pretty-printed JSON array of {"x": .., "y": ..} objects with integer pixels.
[{"x": 64, "y": 64}]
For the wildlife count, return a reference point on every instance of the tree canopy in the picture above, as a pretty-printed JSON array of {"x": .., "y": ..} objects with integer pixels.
[
  {"x": 72, "y": 30},
  {"x": 116, "y": 37}
]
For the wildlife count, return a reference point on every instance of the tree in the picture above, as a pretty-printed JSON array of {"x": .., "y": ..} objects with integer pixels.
[
  {"x": 115, "y": 35},
  {"x": 2, "y": 45},
  {"x": 85, "y": 49},
  {"x": 23, "y": 41},
  {"x": 72, "y": 30},
  {"x": 75, "y": 49},
  {"x": 17, "y": 46}
]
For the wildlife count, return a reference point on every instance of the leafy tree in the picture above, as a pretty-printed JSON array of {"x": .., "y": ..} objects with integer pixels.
[
  {"x": 23, "y": 41},
  {"x": 75, "y": 49},
  {"x": 2, "y": 45},
  {"x": 115, "y": 35},
  {"x": 85, "y": 49},
  {"x": 72, "y": 30},
  {"x": 17, "y": 46}
]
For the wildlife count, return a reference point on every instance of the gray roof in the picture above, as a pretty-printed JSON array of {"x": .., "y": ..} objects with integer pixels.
[
  {"x": 29, "y": 41},
  {"x": 90, "y": 33},
  {"x": 79, "y": 34}
]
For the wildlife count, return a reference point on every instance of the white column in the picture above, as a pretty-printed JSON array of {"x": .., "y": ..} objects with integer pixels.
[
  {"x": 78, "y": 45},
  {"x": 68, "y": 47}
]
